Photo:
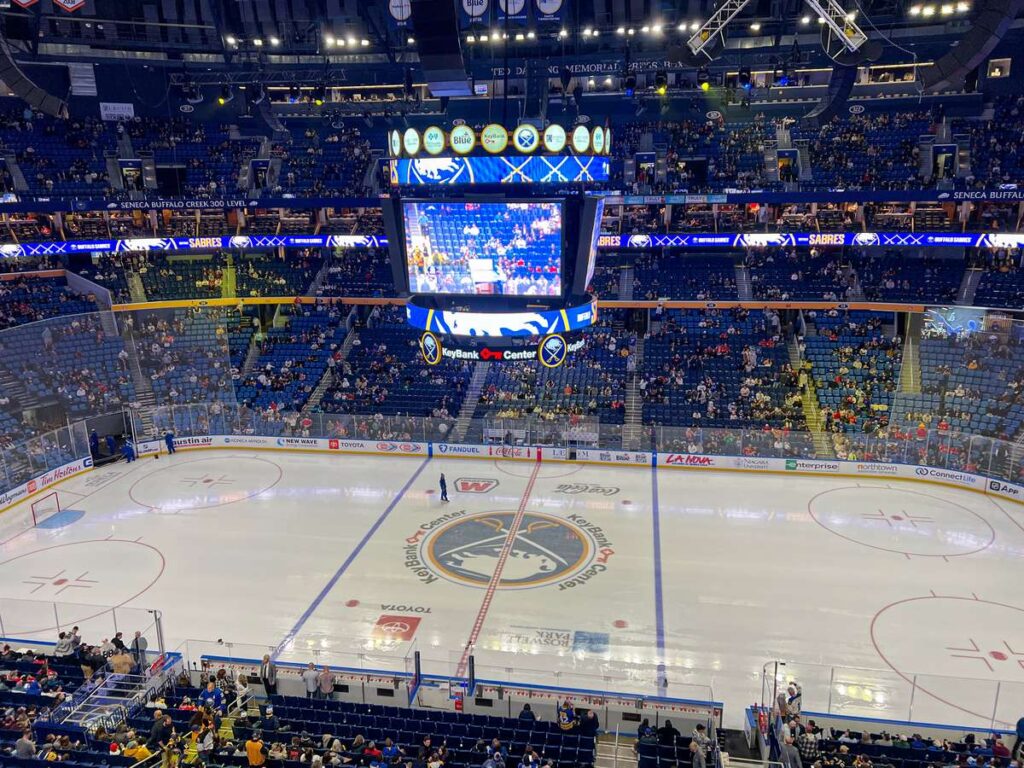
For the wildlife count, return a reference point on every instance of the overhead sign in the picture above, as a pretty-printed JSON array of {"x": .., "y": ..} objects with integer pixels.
[
  {"x": 463, "y": 139},
  {"x": 542, "y": 169},
  {"x": 552, "y": 351},
  {"x": 501, "y": 324},
  {"x": 526, "y": 138},
  {"x": 411, "y": 141},
  {"x": 580, "y": 139},
  {"x": 816, "y": 239},
  {"x": 433, "y": 140},
  {"x": 494, "y": 138},
  {"x": 554, "y": 138}
]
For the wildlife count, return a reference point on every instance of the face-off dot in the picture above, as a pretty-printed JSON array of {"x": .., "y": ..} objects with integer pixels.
[
  {"x": 620, "y": 623},
  {"x": 351, "y": 603}
]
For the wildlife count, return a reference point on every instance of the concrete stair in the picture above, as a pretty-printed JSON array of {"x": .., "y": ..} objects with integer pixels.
[
  {"x": 469, "y": 403},
  {"x": 615, "y": 751},
  {"x": 968, "y": 287},
  {"x": 144, "y": 395},
  {"x": 812, "y": 411},
  {"x": 633, "y": 419},
  {"x": 328, "y": 378},
  {"x": 136, "y": 289},
  {"x": 626, "y": 277},
  {"x": 744, "y": 288},
  {"x": 910, "y": 368}
]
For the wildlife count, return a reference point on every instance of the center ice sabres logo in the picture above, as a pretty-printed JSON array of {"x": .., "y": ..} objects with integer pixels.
[{"x": 545, "y": 549}]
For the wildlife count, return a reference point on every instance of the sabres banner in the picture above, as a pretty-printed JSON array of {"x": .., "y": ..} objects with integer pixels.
[{"x": 498, "y": 170}]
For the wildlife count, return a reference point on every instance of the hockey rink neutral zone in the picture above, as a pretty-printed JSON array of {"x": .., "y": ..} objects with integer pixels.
[{"x": 890, "y": 599}]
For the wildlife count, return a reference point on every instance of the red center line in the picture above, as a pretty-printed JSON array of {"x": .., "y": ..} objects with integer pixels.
[{"x": 492, "y": 586}]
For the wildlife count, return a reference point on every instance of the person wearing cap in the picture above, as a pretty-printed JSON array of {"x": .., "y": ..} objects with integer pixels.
[
  {"x": 255, "y": 750},
  {"x": 269, "y": 721}
]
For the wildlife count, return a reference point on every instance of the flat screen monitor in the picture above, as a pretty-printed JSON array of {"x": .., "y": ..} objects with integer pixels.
[{"x": 484, "y": 248}]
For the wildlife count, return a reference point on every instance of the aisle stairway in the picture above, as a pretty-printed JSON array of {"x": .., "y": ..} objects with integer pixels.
[
  {"x": 910, "y": 370},
  {"x": 469, "y": 403},
  {"x": 626, "y": 275},
  {"x": 615, "y": 751},
  {"x": 327, "y": 379},
  {"x": 633, "y": 421},
  {"x": 744, "y": 290},
  {"x": 135, "y": 288},
  {"x": 968, "y": 287},
  {"x": 812, "y": 411}
]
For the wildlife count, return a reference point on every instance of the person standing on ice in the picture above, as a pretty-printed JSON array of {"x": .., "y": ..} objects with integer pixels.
[
  {"x": 444, "y": 488},
  {"x": 169, "y": 440}
]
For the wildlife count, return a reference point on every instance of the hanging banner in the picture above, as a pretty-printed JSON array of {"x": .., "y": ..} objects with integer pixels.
[
  {"x": 400, "y": 12},
  {"x": 513, "y": 10},
  {"x": 549, "y": 11},
  {"x": 474, "y": 12},
  {"x": 116, "y": 111},
  {"x": 69, "y": 5},
  {"x": 25, "y": 3}
]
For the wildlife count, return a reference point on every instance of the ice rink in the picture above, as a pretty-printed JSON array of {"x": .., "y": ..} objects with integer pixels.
[{"x": 682, "y": 583}]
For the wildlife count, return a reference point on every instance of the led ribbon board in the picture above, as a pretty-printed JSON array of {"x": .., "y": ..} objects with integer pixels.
[
  {"x": 551, "y": 351},
  {"x": 437, "y": 171},
  {"x": 501, "y": 324},
  {"x": 253, "y": 242},
  {"x": 770, "y": 239}
]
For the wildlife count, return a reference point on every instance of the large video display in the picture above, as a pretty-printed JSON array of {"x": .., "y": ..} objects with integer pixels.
[{"x": 480, "y": 248}]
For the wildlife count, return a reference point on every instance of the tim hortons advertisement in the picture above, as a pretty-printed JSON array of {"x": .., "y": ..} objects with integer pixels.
[{"x": 43, "y": 481}]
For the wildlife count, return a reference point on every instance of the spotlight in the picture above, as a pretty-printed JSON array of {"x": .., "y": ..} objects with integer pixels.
[
  {"x": 226, "y": 95},
  {"x": 257, "y": 42},
  {"x": 682, "y": 27},
  {"x": 470, "y": 39},
  {"x": 915, "y": 10},
  {"x": 645, "y": 29},
  {"x": 329, "y": 41},
  {"x": 963, "y": 7},
  {"x": 587, "y": 31},
  {"x": 620, "y": 31},
  {"x": 694, "y": 26},
  {"x": 946, "y": 9},
  {"x": 364, "y": 42},
  {"x": 661, "y": 82},
  {"x": 928, "y": 10},
  {"x": 805, "y": 20},
  {"x": 531, "y": 35},
  {"x": 630, "y": 31},
  {"x": 755, "y": 27},
  {"x": 562, "y": 34},
  {"x": 520, "y": 37},
  {"x": 274, "y": 41},
  {"x": 410, "y": 41},
  {"x": 230, "y": 40}
]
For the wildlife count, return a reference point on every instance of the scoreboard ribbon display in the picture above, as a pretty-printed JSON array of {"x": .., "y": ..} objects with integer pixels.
[
  {"x": 500, "y": 324},
  {"x": 743, "y": 240},
  {"x": 806, "y": 239},
  {"x": 443, "y": 171},
  {"x": 56, "y": 248}
]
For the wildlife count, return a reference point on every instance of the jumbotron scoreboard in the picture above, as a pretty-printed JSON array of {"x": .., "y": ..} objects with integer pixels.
[{"x": 498, "y": 272}]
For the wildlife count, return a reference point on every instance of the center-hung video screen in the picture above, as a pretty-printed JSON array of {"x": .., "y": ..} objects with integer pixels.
[{"x": 485, "y": 248}]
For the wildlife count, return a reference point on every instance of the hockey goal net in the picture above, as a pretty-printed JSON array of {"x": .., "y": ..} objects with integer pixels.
[{"x": 45, "y": 507}]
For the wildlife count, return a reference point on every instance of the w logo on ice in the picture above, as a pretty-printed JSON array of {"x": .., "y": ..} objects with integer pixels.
[{"x": 475, "y": 485}]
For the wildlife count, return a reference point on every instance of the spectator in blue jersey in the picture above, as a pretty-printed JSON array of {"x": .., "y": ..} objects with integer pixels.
[
  {"x": 212, "y": 697},
  {"x": 169, "y": 440},
  {"x": 526, "y": 713}
]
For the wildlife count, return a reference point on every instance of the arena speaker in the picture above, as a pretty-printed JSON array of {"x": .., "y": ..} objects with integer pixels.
[
  {"x": 987, "y": 29},
  {"x": 36, "y": 97},
  {"x": 840, "y": 85},
  {"x": 440, "y": 47}
]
